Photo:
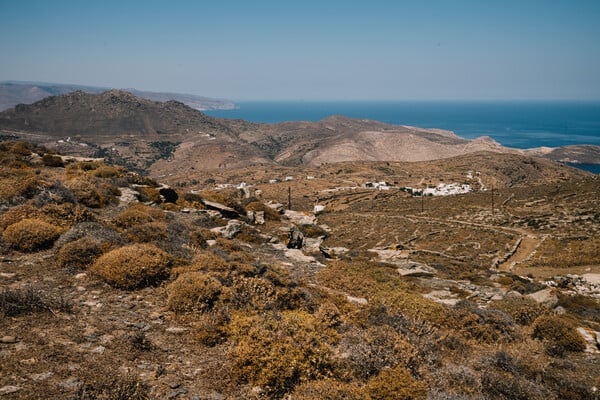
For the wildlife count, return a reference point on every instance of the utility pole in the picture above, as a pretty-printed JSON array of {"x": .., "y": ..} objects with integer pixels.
[
  {"x": 289, "y": 197},
  {"x": 492, "y": 199}
]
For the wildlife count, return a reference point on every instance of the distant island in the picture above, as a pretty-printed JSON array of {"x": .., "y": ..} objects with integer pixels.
[{"x": 17, "y": 92}]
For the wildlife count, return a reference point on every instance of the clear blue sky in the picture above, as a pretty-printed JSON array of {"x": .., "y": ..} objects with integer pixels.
[{"x": 313, "y": 50}]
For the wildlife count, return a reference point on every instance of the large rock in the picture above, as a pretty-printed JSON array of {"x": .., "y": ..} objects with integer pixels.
[
  {"x": 227, "y": 212},
  {"x": 233, "y": 228},
  {"x": 592, "y": 340},
  {"x": 295, "y": 238},
  {"x": 545, "y": 297}
]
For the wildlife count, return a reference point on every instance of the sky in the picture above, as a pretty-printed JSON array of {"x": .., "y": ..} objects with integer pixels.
[{"x": 310, "y": 50}]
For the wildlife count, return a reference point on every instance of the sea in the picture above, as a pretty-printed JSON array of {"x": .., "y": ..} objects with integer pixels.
[{"x": 518, "y": 124}]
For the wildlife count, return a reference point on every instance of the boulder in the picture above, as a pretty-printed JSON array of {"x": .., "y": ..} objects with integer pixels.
[
  {"x": 168, "y": 195},
  {"x": 233, "y": 228},
  {"x": 295, "y": 238},
  {"x": 227, "y": 212},
  {"x": 545, "y": 297}
]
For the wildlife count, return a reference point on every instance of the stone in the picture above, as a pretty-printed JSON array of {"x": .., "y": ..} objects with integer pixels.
[
  {"x": 8, "y": 339},
  {"x": 42, "y": 376},
  {"x": 295, "y": 238},
  {"x": 300, "y": 217},
  {"x": 545, "y": 297},
  {"x": 8, "y": 389},
  {"x": 298, "y": 255},
  {"x": 416, "y": 270},
  {"x": 128, "y": 195},
  {"x": 592, "y": 340},
  {"x": 227, "y": 212},
  {"x": 233, "y": 228},
  {"x": 175, "y": 330},
  {"x": 357, "y": 300},
  {"x": 593, "y": 279},
  {"x": 259, "y": 217},
  {"x": 318, "y": 209}
]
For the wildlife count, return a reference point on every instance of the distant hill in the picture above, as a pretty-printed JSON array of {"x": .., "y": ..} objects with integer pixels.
[
  {"x": 171, "y": 138},
  {"x": 14, "y": 92}
]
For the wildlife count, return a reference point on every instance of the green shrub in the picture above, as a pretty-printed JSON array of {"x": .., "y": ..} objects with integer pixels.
[
  {"x": 133, "y": 266},
  {"x": 78, "y": 254},
  {"x": 559, "y": 334},
  {"x": 31, "y": 235},
  {"x": 193, "y": 291},
  {"x": 396, "y": 383}
]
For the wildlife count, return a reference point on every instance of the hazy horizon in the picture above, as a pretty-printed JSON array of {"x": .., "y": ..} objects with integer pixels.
[{"x": 269, "y": 51}]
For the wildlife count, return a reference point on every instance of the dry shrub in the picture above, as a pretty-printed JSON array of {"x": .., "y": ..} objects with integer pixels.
[
  {"x": 193, "y": 291},
  {"x": 21, "y": 148},
  {"x": 279, "y": 351},
  {"x": 559, "y": 334},
  {"x": 417, "y": 308},
  {"x": 252, "y": 292},
  {"x": 328, "y": 389},
  {"x": 17, "y": 189},
  {"x": 52, "y": 160},
  {"x": 25, "y": 300},
  {"x": 583, "y": 306},
  {"x": 368, "y": 352},
  {"x": 313, "y": 231},
  {"x": 484, "y": 325},
  {"x": 105, "y": 387},
  {"x": 211, "y": 327},
  {"x": 250, "y": 235},
  {"x": 62, "y": 215},
  {"x": 86, "y": 192},
  {"x": 107, "y": 171},
  {"x": 206, "y": 261},
  {"x": 523, "y": 310},
  {"x": 133, "y": 266},
  {"x": 503, "y": 385},
  {"x": 30, "y": 235},
  {"x": 138, "y": 214},
  {"x": 16, "y": 214},
  {"x": 78, "y": 254},
  {"x": 149, "y": 194},
  {"x": 65, "y": 215},
  {"x": 200, "y": 236},
  {"x": 145, "y": 233},
  {"x": 102, "y": 234},
  {"x": 396, "y": 383}
]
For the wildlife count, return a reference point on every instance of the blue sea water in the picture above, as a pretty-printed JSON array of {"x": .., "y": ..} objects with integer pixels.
[{"x": 519, "y": 124}]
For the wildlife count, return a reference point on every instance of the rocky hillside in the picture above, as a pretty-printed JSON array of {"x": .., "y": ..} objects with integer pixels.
[
  {"x": 114, "y": 286},
  {"x": 165, "y": 138}
]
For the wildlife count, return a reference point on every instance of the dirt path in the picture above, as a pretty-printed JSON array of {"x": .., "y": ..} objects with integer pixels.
[{"x": 524, "y": 250}]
